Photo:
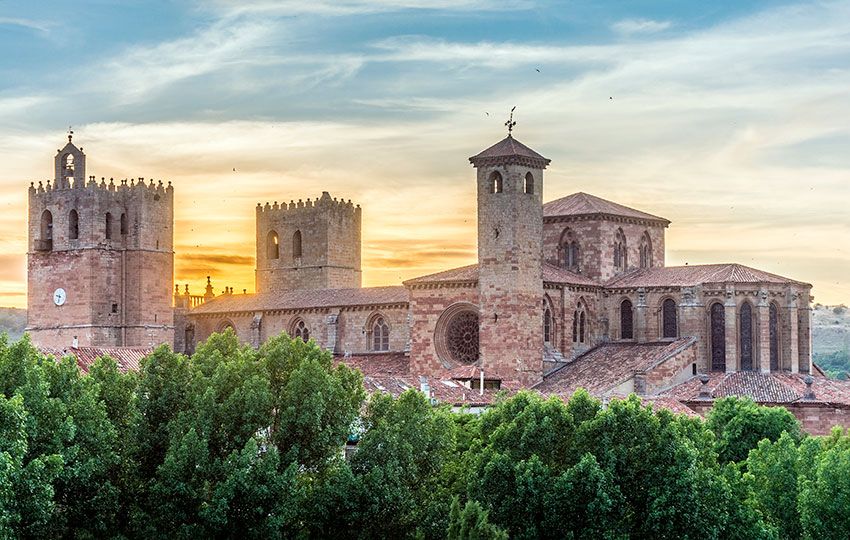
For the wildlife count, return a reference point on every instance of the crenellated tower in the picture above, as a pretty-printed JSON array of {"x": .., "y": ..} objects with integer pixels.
[
  {"x": 510, "y": 275},
  {"x": 100, "y": 259},
  {"x": 308, "y": 245}
]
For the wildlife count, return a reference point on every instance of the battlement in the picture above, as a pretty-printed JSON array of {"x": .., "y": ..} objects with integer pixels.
[
  {"x": 325, "y": 203},
  {"x": 123, "y": 186}
]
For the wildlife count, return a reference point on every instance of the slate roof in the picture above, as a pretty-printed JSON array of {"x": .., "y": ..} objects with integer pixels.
[
  {"x": 128, "y": 358},
  {"x": 469, "y": 274},
  {"x": 584, "y": 204},
  {"x": 607, "y": 366},
  {"x": 687, "y": 276},
  {"x": 774, "y": 387},
  {"x": 508, "y": 148},
  {"x": 304, "y": 299}
]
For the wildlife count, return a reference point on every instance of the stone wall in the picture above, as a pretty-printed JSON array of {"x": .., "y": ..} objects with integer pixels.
[
  {"x": 595, "y": 237},
  {"x": 330, "y": 242},
  {"x": 110, "y": 247}
]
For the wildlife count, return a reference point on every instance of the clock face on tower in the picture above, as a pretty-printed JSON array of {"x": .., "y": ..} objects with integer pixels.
[{"x": 59, "y": 296}]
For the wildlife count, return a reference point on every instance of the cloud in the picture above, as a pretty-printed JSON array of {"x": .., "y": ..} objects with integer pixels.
[
  {"x": 640, "y": 26},
  {"x": 363, "y": 7},
  {"x": 39, "y": 26}
]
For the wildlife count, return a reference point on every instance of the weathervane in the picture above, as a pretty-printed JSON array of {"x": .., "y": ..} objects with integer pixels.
[
  {"x": 70, "y": 133},
  {"x": 510, "y": 123}
]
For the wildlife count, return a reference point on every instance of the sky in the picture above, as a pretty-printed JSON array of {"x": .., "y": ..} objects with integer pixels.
[{"x": 730, "y": 118}]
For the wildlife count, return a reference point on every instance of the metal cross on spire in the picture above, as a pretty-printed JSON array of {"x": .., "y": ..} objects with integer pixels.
[
  {"x": 510, "y": 123},
  {"x": 70, "y": 133}
]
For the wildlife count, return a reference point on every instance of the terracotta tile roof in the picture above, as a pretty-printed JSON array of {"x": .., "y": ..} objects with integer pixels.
[
  {"x": 686, "y": 276},
  {"x": 605, "y": 367},
  {"x": 775, "y": 387},
  {"x": 556, "y": 274},
  {"x": 128, "y": 358},
  {"x": 303, "y": 299},
  {"x": 584, "y": 204},
  {"x": 378, "y": 364},
  {"x": 464, "y": 274},
  {"x": 509, "y": 148},
  {"x": 469, "y": 274},
  {"x": 671, "y": 404}
]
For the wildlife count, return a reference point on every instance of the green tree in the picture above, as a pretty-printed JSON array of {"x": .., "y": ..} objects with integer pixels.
[
  {"x": 739, "y": 425},
  {"x": 772, "y": 474},
  {"x": 825, "y": 493},
  {"x": 471, "y": 523}
]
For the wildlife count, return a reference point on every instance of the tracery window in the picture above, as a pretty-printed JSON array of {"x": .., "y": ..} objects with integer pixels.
[
  {"x": 380, "y": 335},
  {"x": 620, "y": 251},
  {"x": 645, "y": 251},
  {"x": 273, "y": 246},
  {"x": 669, "y": 322},
  {"x": 746, "y": 330},
  {"x": 296, "y": 245},
  {"x": 73, "y": 225},
  {"x": 569, "y": 251},
  {"x": 718, "y": 337},
  {"x": 626, "y": 320},
  {"x": 529, "y": 183},
  {"x": 462, "y": 337},
  {"x": 774, "y": 337},
  {"x": 301, "y": 331}
]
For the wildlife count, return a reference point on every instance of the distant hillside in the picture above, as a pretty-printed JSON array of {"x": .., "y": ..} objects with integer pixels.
[
  {"x": 831, "y": 339},
  {"x": 830, "y": 329},
  {"x": 13, "y": 321}
]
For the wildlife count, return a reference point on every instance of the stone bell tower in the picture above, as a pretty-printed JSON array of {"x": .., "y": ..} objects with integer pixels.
[
  {"x": 100, "y": 259},
  {"x": 510, "y": 279}
]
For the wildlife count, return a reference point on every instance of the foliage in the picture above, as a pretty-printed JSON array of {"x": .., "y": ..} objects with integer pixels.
[
  {"x": 836, "y": 364},
  {"x": 471, "y": 523},
  {"x": 238, "y": 442},
  {"x": 739, "y": 425}
]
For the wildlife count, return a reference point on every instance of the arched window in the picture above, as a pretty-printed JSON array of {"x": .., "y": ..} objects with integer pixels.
[
  {"x": 581, "y": 327},
  {"x": 123, "y": 224},
  {"x": 495, "y": 182},
  {"x": 300, "y": 330},
  {"x": 645, "y": 250},
  {"x": 529, "y": 183},
  {"x": 718, "y": 337},
  {"x": 569, "y": 251},
  {"x": 380, "y": 335},
  {"x": 774, "y": 337},
  {"x": 46, "y": 225},
  {"x": 575, "y": 327},
  {"x": 296, "y": 245},
  {"x": 621, "y": 261},
  {"x": 272, "y": 246},
  {"x": 73, "y": 225},
  {"x": 69, "y": 164},
  {"x": 108, "y": 225},
  {"x": 626, "y": 320},
  {"x": 547, "y": 325},
  {"x": 669, "y": 322},
  {"x": 746, "y": 330}
]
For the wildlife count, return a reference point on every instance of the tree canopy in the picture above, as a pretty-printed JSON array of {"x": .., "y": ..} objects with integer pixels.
[{"x": 238, "y": 442}]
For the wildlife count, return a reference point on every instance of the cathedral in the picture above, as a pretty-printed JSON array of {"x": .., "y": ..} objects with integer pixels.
[{"x": 569, "y": 293}]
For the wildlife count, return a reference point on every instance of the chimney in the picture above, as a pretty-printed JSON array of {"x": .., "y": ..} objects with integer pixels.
[{"x": 424, "y": 386}]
